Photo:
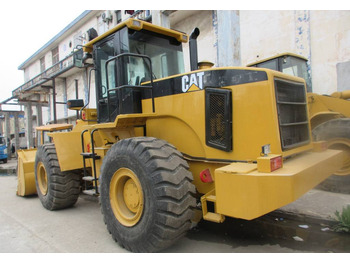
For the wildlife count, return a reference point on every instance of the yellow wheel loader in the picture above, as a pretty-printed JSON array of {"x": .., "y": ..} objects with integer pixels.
[
  {"x": 329, "y": 115},
  {"x": 165, "y": 148}
]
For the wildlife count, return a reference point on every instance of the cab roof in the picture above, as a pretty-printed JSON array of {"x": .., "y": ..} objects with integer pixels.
[
  {"x": 276, "y": 56},
  {"x": 138, "y": 25}
]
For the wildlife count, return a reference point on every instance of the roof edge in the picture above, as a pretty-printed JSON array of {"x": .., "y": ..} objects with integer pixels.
[{"x": 61, "y": 33}]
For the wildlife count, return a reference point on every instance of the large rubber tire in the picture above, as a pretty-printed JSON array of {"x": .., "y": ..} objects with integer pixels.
[
  {"x": 56, "y": 189},
  {"x": 337, "y": 133},
  {"x": 163, "y": 210}
]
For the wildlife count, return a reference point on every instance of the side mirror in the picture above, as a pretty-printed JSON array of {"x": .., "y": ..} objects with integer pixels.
[{"x": 75, "y": 104}]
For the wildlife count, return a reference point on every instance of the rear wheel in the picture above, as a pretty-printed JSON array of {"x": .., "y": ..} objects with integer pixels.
[
  {"x": 56, "y": 189},
  {"x": 337, "y": 133},
  {"x": 146, "y": 194}
]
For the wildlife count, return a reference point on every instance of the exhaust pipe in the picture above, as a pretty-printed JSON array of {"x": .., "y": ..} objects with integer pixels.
[{"x": 193, "y": 49}]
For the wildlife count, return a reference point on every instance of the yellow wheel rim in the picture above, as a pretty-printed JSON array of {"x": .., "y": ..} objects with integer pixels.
[
  {"x": 344, "y": 145},
  {"x": 42, "y": 178},
  {"x": 126, "y": 197}
]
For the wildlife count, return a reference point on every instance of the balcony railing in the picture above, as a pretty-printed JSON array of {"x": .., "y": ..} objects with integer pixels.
[
  {"x": 142, "y": 15},
  {"x": 73, "y": 60}
]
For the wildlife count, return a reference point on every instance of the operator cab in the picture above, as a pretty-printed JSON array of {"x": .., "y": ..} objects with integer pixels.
[
  {"x": 287, "y": 63},
  {"x": 126, "y": 60}
]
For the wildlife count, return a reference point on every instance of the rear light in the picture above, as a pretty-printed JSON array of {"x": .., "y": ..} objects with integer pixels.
[
  {"x": 205, "y": 176},
  {"x": 269, "y": 163},
  {"x": 83, "y": 115},
  {"x": 276, "y": 163}
]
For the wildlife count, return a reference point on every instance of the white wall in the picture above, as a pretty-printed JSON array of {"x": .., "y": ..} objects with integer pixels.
[
  {"x": 330, "y": 43},
  {"x": 265, "y": 33},
  {"x": 205, "y": 41}
]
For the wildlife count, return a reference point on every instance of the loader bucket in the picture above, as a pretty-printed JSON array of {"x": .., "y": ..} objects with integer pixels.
[{"x": 25, "y": 172}]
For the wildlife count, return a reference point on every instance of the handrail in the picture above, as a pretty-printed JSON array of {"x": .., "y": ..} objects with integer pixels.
[{"x": 88, "y": 100}]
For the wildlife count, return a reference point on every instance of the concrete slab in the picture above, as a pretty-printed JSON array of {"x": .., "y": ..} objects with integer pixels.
[
  {"x": 27, "y": 227},
  {"x": 317, "y": 204}
]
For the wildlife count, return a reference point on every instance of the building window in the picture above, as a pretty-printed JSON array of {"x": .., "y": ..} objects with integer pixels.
[
  {"x": 55, "y": 56},
  {"x": 42, "y": 64},
  {"x": 119, "y": 16},
  {"x": 77, "y": 41}
]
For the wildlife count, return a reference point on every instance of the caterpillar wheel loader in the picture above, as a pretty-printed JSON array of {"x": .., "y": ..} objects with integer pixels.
[
  {"x": 329, "y": 115},
  {"x": 165, "y": 148}
]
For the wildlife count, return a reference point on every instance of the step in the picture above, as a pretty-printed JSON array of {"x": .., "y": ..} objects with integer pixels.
[
  {"x": 211, "y": 198},
  {"x": 90, "y": 192},
  {"x": 90, "y": 155},
  {"x": 214, "y": 217},
  {"x": 89, "y": 178}
]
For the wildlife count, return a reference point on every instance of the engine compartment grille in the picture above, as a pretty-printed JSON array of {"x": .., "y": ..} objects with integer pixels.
[
  {"x": 218, "y": 120},
  {"x": 292, "y": 113}
]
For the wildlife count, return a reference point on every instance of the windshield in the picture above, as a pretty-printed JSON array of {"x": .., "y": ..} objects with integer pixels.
[
  {"x": 296, "y": 67},
  {"x": 166, "y": 55},
  {"x": 105, "y": 51},
  {"x": 2, "y": 141},
  {"x": 270, "y": 64}
]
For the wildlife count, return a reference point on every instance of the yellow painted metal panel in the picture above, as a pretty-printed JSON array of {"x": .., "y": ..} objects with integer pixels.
[
  {"x": 25, "y": 172},
  {"x": 320, "y": 103},
  {"x": 254, "y": 121},
  {"x": 68, "y": 148},
  {"x": 242, "y": 168},
  {"x": 54, "y": 127},
  {"x": 250, "y": 195}
]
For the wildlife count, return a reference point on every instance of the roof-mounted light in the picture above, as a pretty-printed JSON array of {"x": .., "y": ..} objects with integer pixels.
[{"x": 136, "y": 23}]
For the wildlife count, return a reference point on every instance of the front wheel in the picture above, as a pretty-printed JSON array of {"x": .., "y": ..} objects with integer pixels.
[
  {"x": 56, "y": 189},
  {"x": 146, "y": 194}
]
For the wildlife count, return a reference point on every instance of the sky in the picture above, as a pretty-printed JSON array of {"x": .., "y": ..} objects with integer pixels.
[{"x": 26, "y": 26}]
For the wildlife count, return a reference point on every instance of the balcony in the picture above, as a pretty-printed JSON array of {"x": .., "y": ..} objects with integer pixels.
[{"x": 62, "y": 68}]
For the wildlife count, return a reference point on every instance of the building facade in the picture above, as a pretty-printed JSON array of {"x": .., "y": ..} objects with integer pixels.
[{"x": 55, "y": 73}]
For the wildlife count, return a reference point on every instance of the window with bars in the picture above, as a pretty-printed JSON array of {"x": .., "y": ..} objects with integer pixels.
[
  {"x": 55, "y": 55},
  {"x": 42, "y": 64}
]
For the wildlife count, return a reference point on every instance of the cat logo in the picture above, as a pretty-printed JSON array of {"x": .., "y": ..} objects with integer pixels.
[{"x": 192, "y": 82}]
